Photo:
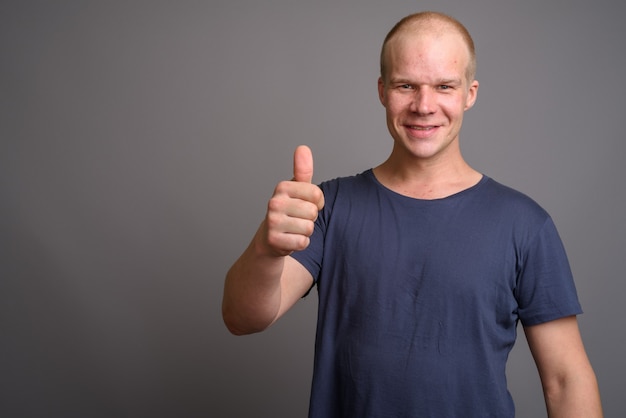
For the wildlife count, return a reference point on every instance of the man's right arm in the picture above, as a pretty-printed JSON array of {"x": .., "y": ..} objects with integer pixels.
[{"x": 265, "y": 281}]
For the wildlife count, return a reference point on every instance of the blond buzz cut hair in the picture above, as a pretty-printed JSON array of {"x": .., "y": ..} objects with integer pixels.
[{"x": 432, "y": 21}]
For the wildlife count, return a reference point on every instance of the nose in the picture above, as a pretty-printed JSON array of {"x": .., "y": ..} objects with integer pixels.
[{"x": 423, "y": 101}]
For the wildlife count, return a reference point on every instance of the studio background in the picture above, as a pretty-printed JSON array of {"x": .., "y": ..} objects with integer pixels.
[{"x": 140, "y": 141}]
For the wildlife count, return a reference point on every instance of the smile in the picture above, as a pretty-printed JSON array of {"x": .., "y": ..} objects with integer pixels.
[{"x": 421, "y": 128}]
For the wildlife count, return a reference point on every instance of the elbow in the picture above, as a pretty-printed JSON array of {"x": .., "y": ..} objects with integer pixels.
[
  {"x": 237, "y": 326},
  {"x": 576, "y": 396},
  {"x": 235, "y": 329},
  {"x": 232, "y": 325}
]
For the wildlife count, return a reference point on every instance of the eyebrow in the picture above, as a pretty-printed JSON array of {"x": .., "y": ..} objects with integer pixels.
[
  {"x": 451, "y": 81},
  {"x": 439, "y": 82}
]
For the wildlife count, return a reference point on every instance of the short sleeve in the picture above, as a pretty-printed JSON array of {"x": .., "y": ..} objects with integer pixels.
[{"x": 545, "y": 286}]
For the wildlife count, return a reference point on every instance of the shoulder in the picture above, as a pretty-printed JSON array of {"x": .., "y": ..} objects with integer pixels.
[
  {"x": 358, "y": 179},
  {"x": 355, "y": 184},
  {"x": 511, "y": 200}
]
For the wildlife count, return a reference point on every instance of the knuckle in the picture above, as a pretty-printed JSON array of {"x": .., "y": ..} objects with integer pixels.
[
  {"x": 282, "y": 187},
  {"x": 274, "y": 241},
  {"x": 302, "y": 243},
  {"x": 273, "y": 220},
  {"x": 276, "y": 204},
  {"x": 314, "y": 212},
  {"x": 318, "y": 194},
  {"x": 309, "y": 228}
]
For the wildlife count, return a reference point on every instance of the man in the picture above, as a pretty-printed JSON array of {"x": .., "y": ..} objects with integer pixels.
[{"x": 423, "y": 266}]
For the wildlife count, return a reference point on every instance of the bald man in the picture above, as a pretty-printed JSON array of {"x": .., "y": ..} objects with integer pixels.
[{"x": 423, "y": 265}]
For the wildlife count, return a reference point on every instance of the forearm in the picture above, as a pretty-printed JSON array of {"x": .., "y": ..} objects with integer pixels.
[
  {"x": 255, "y": 291},
  {"x": 252, "y": 291}
]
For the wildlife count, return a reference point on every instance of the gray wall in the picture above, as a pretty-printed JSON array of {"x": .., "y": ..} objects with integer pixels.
[{"x": 141, "y": 140}]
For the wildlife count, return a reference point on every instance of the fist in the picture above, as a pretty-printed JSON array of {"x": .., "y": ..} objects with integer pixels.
[{"x": 293, "y": 208}]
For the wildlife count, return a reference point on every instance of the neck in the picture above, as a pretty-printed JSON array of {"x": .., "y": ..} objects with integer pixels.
[{"x": 426, "y": 179}]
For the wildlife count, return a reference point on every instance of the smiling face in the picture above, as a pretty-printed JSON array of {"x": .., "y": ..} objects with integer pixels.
[{"x": 425, "y": 92}]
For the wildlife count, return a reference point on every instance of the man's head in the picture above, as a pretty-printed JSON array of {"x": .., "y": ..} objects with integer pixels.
[
  {"x": 429, "y": 22},
  {"x": 426, "y": 85}
]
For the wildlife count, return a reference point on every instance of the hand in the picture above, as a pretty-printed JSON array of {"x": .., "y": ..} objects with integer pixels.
[{"x": 293, "y": 208}]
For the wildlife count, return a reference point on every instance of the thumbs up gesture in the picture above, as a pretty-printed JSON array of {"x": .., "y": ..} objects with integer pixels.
[
  {"x": 303, "y": 164},
  {"x": 293, "y": 208}
]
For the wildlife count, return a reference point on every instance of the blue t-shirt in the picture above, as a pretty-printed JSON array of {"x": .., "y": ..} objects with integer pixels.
[{"x": 419, "y": 299}]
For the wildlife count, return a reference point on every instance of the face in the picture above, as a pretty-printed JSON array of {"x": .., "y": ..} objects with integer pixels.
[{"x": 425, "y": 93}]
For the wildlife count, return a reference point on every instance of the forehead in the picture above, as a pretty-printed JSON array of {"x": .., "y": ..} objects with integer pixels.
[{"x": 438, "y": 53}]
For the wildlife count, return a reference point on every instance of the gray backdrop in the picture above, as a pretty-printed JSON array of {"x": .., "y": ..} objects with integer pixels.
[{"x": 140, "y": 142}]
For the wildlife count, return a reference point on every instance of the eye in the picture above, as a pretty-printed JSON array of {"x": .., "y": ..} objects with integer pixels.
[
  {"x": 405, "y": 87},
  {"x": 445, "y": 87}
]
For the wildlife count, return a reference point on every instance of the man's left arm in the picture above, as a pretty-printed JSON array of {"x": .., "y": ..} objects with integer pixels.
[{"x": 569, "y": 383}]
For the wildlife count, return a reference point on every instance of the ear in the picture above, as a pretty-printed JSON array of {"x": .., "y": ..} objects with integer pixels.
[
  {"x": 472, "y": 94},
  {"x": 381, "y": 90}
]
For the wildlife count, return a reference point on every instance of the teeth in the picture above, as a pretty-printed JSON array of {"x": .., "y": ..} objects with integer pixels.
[{"x": 421, "y": 128}]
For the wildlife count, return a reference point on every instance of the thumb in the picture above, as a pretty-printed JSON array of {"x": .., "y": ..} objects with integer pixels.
[{"x": 303, "y": 164}]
